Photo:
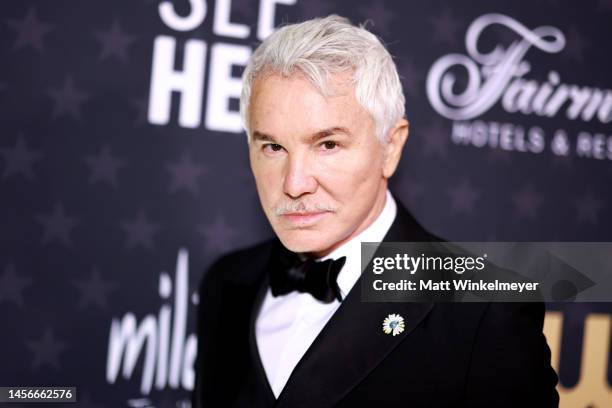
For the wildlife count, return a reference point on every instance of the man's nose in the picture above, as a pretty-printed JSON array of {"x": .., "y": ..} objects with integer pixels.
[{"x": 299, "y": 177}]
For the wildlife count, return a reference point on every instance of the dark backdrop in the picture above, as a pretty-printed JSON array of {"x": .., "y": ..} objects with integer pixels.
[{"x": 112, "y": 204}]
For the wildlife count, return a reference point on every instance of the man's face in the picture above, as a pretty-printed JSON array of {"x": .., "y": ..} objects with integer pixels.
[{"x": 316, "y": 160}]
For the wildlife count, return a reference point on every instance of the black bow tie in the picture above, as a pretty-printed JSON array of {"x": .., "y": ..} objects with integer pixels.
[{"x": 288, "y": 273}]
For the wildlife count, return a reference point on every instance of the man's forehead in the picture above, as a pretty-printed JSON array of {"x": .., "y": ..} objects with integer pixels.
[{"x": 292, "y": 107}]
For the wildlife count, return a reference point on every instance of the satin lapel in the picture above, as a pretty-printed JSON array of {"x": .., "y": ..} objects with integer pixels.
[
  {"x": 353, "y": 343},
  {"x": 261, "y": 380},
  {"x": 350, "y": 346}
]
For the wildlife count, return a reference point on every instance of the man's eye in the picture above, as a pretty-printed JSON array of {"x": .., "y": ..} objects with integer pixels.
[
  {"x": 329, "y": 145},
  {"x": 273, "y": 147}
]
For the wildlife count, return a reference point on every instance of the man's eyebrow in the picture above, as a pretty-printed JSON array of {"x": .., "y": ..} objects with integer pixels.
[
  {"x": 329, "y": 132},
  {"x": 264, "y": 137}
]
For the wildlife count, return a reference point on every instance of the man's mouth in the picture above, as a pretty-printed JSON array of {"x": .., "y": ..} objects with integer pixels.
[{"x": 304, "y": 219}]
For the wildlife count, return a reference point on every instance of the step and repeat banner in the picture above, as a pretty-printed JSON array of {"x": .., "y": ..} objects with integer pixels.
[{"x": 124, "y": 170}]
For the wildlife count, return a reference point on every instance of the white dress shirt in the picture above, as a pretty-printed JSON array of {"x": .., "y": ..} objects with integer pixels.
[{"x": 287, "y": 325}]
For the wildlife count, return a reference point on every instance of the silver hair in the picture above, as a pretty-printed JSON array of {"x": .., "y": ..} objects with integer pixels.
[{"x": 320, "y": 47}]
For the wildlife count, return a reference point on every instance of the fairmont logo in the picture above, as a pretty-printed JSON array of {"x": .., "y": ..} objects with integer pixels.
[{"x": 500, "y": 75}]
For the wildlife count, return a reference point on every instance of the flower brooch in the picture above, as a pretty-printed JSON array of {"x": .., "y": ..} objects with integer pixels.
[{"x": 393, "y": 324}]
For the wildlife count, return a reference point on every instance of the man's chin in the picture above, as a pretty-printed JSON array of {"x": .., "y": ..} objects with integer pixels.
[{"x": 304, "y": 241}]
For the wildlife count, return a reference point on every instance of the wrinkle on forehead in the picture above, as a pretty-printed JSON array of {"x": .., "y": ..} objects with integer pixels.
[{"x": 337, "y": 110}]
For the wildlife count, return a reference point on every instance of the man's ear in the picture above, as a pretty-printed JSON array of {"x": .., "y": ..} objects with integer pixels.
[{"x": 396, "y": 138}]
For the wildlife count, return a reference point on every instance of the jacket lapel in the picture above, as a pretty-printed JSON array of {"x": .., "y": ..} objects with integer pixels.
[
  {"x": 353, "y": 343},
  {"x": 259, "y": 373}
]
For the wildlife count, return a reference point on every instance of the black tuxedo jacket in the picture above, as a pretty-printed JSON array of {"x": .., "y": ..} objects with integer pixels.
[{"x": 449, "y": 355}]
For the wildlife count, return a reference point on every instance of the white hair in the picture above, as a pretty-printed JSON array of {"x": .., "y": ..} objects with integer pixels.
[{"x": 320, "y": 47}]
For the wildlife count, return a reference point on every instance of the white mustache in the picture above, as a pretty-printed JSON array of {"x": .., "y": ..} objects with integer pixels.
[{"x": 301, "y": 207}]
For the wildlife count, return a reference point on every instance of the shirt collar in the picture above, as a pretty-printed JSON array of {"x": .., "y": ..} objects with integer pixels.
[{"x": 375, "y": 232}]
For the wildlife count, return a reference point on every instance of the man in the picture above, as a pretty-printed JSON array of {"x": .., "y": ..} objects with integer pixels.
[{"x": 282, "y": 324}]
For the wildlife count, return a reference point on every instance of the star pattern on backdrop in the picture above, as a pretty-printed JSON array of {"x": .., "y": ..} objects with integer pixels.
[
  {"x": 114, "y": 42},
  {"x": 527, "y": 202},
  {"x": 94, "y": 290},
  {"x": 446, "y": 27},
  {"x": 435, "y": 140},
  {"x": 46, "y": 350},
  {"x": 57, "y": 226},
  {"x": 12, "y": 286},
  {"x": 30, "y": 30},
  {"x": 463, "y": 197},
  {"x": 19, "y": 159},
  {"x": 103, "y": 167},
  {"x": 242, "y": 177},
  {"x": 411, "y": 189},
  {"x": 68, "y": 99},
  {"x": 140, "y": 231},
  {"x": 185, "y": 174},
  {"x": 218, "y": 235}
]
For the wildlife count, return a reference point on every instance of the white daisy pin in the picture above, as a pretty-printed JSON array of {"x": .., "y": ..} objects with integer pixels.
[{"x": 393, "y": 324}]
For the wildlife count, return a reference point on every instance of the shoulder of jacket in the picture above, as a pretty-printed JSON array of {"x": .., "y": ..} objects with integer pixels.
[{"x": 240, "y": 266}]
